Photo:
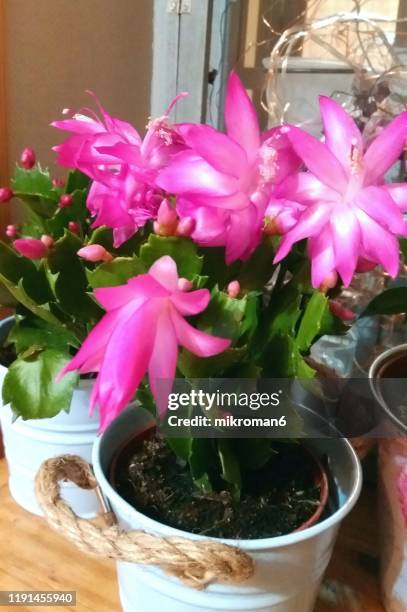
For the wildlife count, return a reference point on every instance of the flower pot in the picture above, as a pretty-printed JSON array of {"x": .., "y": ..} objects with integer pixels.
[
  {"x": 28, "y": 443},
  {"x": 288, "y": 569},
  {"x": 392, "y": 466}
]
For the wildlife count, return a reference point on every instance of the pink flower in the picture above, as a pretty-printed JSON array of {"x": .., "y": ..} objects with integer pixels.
[
  {"x": 31, "y": 248},
  {"x": 123, "y": 167},
  {"x": 345, "y": 210},
  {"x": 95, "y": 252},
  {"x": 141, "y": 331},
  {"x": 225, "y": 180},
  {"x": 27, "y": 159}
]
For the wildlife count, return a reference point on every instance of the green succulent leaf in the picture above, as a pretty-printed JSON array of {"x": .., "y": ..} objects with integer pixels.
[
  {"x": 28, "y": 332},
  {"x": 116, "y": 272},
  {"x": 257, "y": 271},
  {"x": 17, "y": 270},
  {"x": 182, "y": 250},
  {"x": 201, "y": 459},
  {"x": 230, "y": 468},
  {"x": 77, "y": 212},
  {"x": 391, "y": 301},
  {"x": 252, "y": 453},
  {"x": 224, "y": 315},
  {"x": 30, "y": 386},
  {"x": 192, "y": 366},
  {"x": 34, "y": 187},
  {"x": 71, "y": 283},
  {"x": 77, "y": 180},
  {"x": 313, "y": 321}
]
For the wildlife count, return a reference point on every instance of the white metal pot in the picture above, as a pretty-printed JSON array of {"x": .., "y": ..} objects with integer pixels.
[
  {"x": 28, "y": 443},
  {"x": 288, "y": 569}
]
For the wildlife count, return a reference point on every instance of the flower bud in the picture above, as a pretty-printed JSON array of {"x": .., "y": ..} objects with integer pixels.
[
  {"x": 340, "y": 311},
  {"x": 74, "y": 227},
  {"x": 329, "y": 282},
  {"x": 167, "y": 218},
  {"x": 58, "y": 183},
  {"x": 31, "y": 248},
  {"x": 185, "y": 226},
  {"x": 27, "y": 159},
  {"x": 364, "y": 265},
  {"x": 233, "y": 289},
  {"x": 95, "y": 252},
  {"x": 184, "y": 284},
  {"x": 65, "y": 200},
  {"x": 11, "y": 231},
  {"x": 47, "y": 240},
  {"x": 5, "y": 194}
]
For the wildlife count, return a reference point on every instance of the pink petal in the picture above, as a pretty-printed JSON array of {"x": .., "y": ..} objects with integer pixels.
[
  {"x": 378, "y": 204},
  {"x": 122, "y": 234},
  {"x": 223, "y": 153},
  {"x": 398, "y": 192},
  {"x": 128, "y": 353},
  {"x": 189, "y": 173},
  {"x": 243, "y": 234},
  {"x": 240, "y": 117},
  {"x": 346, "y": 241},
  {"x": 321, "y": 253},
  {"x": 341, "y": 132},
  {"x": 126, "y": 130},
  {"x": 90, "y": 355},
  {"x": 379, "y": 244},
  {"x": 79, "y": 126},
  {"x": 385, "y": 149},
  {"x": 197, "y": 342},
  {"x": 137, "y": 290},
  {"x": 311, "y": 223},
  {"x": 318, "y": 159},
  {"x": 210, "y": 223},
  {"x": 191, "y": 302},
  {"x": 164, "y": 271},
  {"x": 235, "y": 201},
  {"x": 163, "y": 361},
  {"x": 305, "y": 188},
  {"x": 128, "y": 153}
]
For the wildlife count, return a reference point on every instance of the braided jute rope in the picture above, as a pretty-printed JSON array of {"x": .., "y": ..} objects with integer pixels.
[{"x": 196, "y": 562}]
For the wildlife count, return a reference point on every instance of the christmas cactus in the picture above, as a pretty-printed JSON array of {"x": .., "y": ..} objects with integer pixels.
[{"x": 191, "y": 253}]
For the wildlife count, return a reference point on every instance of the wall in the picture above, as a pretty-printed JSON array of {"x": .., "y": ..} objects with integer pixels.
[{"x": 56, "y": 49}]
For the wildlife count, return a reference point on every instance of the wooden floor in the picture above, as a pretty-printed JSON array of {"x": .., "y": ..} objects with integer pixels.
[{"x": 33, "y": 557}]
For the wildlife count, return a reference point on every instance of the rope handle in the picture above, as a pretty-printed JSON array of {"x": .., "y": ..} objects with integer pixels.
[{"x": 197, "y": 563}]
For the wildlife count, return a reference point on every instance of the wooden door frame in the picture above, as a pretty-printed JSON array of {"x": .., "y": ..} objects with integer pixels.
[{"x": 4, "y": 168}]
